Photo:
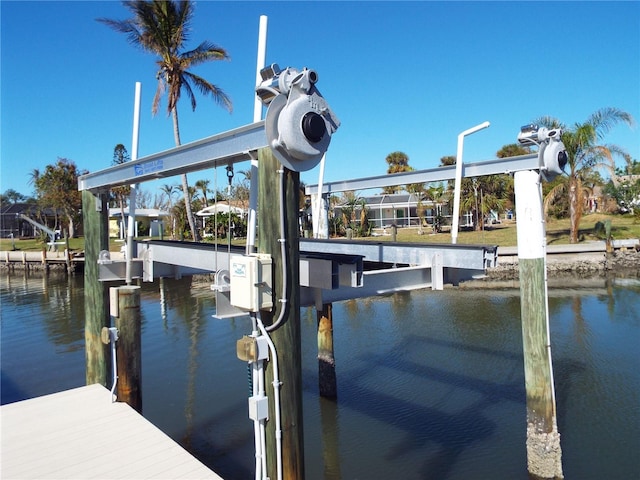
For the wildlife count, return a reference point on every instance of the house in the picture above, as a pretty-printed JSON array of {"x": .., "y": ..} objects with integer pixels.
[
  {"x": 149, "y": 221},
  {"x": 628, "y": 181},
  {"x": 13, "y": 226},
  {"x": 400, "y": 209}
]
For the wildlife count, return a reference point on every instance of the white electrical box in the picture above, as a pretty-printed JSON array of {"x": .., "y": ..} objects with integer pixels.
[
  {"x": 258, "y": 407},
  {"x": 251, "y": 280}
]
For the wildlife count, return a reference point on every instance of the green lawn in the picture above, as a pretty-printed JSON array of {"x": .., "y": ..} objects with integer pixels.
[
  {"x": 505, "y": 233},
  {"x": 502, "y": 234}
]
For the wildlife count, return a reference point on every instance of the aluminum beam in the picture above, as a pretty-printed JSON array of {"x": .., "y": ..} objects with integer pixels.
[
  {"x": 222, "y": 149},
  {"x": 344, "y": 273},
  {"x": 474, "y": 257},
  {"x": 377, "y": 282},
  {"x": 439, "y": 174}
]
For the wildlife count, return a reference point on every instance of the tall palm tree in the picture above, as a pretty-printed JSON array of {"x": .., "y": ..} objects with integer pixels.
[
  {"x": 162, "y": 28},
  {"x": 584, "y": 155},
  {"x": 169, "y": 190}
]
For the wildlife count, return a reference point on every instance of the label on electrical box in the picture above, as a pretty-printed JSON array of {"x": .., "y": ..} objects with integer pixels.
[{"x": 239, "y": 270}]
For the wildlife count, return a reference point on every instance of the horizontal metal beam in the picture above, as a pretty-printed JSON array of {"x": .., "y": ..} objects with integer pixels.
[
  {"x": 377, "y": 282},
  {"x": 474, "y": 257},
  {"x": 221, "y": 149},
  {"x": 419, "y": 265},
  {"x": 477, "y": 169}
]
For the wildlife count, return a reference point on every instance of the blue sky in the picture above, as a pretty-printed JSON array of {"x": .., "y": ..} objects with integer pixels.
[{"x": 406, "y": 76}]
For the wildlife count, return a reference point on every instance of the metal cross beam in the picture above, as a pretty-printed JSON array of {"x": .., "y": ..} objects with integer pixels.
[
  {"x": 439, "y": 174},
  {"x": 221, "y": 149},
  {"x": 478, "y": 257}
]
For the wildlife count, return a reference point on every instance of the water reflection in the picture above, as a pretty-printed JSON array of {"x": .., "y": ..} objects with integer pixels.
[
  {"x": 50, "y": 297},
  {"x": 430, "y": 384}
]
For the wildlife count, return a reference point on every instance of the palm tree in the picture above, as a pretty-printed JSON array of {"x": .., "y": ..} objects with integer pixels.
[
  {"x": 203, "y": 186},
  {"x": 398, "y": 162},
  {"x": 584, "y": 155},
  {"x": 169, "y": 191},
  {"x": 162, "y": 28},
  {"x": 120, "y": 156},
  {"x": 34, "y": 174}
]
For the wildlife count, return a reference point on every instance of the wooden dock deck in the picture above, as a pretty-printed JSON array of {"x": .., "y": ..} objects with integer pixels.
[{"x": 80, "y": 434}]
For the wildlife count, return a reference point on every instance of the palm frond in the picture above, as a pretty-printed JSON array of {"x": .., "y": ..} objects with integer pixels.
[
  {"x": 605, "y": 119},
  {"x": 158, "y": 95},
  {"x": 205, "y": 52},
  {"x": 548, "y": 122},
  {"x": 555, "y": 194},
  {"x": 207, "y": 88}
]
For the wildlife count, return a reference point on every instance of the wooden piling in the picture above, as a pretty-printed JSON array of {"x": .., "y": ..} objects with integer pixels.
[
  {"x": 544, "y": 455},
  {"x": 286, "y": 338},
  {"x": 96, "y": 297},
  {"x": 129, "y": 345},
  {"x": 326, "y": 360}
]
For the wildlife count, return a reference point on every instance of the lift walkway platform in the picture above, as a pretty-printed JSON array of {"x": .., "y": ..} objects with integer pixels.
[{"x": 81, "y": 434}]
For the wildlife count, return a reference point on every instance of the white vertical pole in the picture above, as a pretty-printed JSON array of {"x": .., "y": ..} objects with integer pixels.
[
  {"x": 458, "y": 179},
  {"x": 257, "y": 116},
  {"x": 132, "y": 195},
  {"x": 530, "y": 232},
  {"x": 544, "y": 454},
  {"x": 262, "y": 53},
  {"x": 319, "y": 208}
]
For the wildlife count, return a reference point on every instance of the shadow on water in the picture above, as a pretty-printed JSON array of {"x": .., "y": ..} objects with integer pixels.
[
  {"x": 565, "y": 372},
  {"x": 453, "y": 432},
  {"x": 220, "y": 454}
]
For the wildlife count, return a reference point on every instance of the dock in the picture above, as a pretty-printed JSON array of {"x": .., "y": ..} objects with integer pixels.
[
  {"x": 40, "y": 259},
  {"x": 81, "y": 434}
]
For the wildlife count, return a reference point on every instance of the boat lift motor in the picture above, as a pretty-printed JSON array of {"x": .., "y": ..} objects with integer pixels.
[
  {"x": 299, "y": 122},
  {"x": 552, "y": 152}
]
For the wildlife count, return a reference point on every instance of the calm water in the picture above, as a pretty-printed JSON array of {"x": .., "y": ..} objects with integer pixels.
[{"x": 430, "y": 384}]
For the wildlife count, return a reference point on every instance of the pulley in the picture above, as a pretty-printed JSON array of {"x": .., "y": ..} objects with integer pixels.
[{"x": 299, "y": 121}]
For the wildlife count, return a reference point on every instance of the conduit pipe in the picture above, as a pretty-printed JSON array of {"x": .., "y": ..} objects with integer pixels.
[
  {"x": 113, "y": 338},
  {"x": 458, "y": 179},
  {"x": 276, "y": 394},
  {"x": 259, "y": 432},
  {"x": 257, "y": 378},
  {"x": 283, "y": 254},
  {"x": 261, "y": 424}
]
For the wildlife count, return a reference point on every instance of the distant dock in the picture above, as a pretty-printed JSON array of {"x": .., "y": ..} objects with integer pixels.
[
  {"x": 81, "y": 434},
  {"x": 43, "y": 260}
]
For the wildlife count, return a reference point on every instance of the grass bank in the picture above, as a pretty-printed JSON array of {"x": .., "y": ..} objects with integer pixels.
[{"x": 504, "y": 234}]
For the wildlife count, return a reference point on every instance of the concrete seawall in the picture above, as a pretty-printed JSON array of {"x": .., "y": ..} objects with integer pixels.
[{"x": 585, "y": 258}]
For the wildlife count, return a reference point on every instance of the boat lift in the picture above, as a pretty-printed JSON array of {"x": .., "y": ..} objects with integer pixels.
[
  {"x": 333, "y": 270},
  {"x": 52, "y": 234}
]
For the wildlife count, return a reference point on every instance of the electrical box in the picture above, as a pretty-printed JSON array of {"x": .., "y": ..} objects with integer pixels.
[
  {"x": 251, "y": 282},
  {"x": 258, "y": 407}
]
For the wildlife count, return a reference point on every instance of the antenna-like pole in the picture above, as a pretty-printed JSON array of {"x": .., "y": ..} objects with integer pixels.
[{"x": 257, "y": 116}]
